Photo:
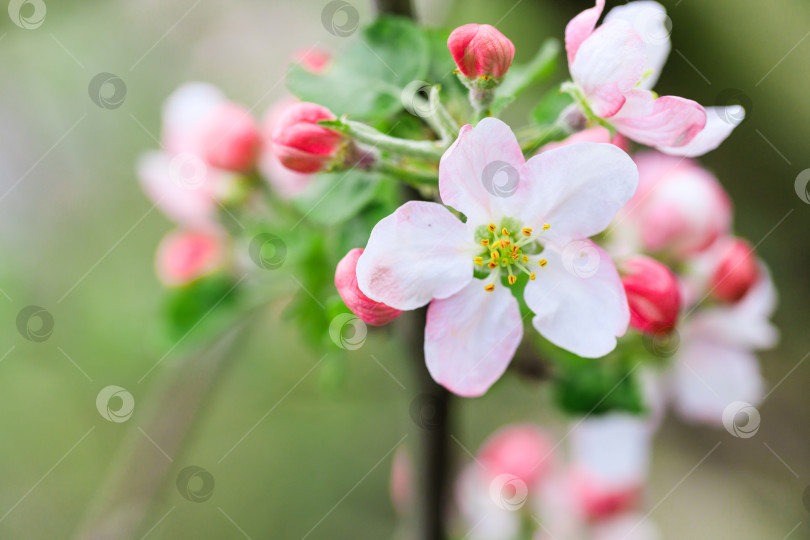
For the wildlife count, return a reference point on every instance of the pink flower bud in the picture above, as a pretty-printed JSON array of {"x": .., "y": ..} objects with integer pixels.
[
  {"x": 300, "y": 143},
  {"x": 230, "y": 138},
  {"x": 599, "y": 500},
  {"x": 652, "y": 293},
  {"x": 737, "y": 272},
  {"x": 313, "y": 59},
  {"x": 523, "y": 451},
  {"x": 185, "y": 255},
  {"x": 371, "y": 312},
  {"x": 480, "y": 50}
]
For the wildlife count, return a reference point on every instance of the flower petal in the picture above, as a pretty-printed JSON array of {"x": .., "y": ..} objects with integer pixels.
[
  {"x": 183, "y": 111},
  {"x": 720, "y": 122},
  {"x": 478, "y": 174},
  {"x": 707, "y": 377},
  {"x": 650, "y": 20},
  {"x": 471, "y": 337},
  {"x": 578, "y": 300},
  {"x": 666, "y": 121},
  {"x": 414, "y": 255},
  {"x": 580, "y": 27},
  {"x": 609, "y": 64},
  {"x": 577, "y": 189}
]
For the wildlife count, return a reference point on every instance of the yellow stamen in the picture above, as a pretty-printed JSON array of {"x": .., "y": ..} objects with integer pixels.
[
  {"x": 492, "y": 264},
  {"x": 512, "y": 280},
  {"x": 542, "y": 262},
  {"x": 485, "y": 242},
  {"x": 489, "y": 287},
  {"x": 495, "y": 255},
  {"x": 546, "y": 227},
  {"x": 525, "y": 258},
  {"x": 504, "y": 232},
  {"x": 515, "y": 256},
  {"x": 526, "y": 231},
  {"x": 479, "y": 261},
  {"x": 505, "y": 243},
  {"x": 532, "y": 276},
  {"x": 491, "y": 227},
  {"x": 514, "y": 249}
]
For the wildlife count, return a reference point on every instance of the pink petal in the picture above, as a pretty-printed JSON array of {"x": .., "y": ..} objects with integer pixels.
[
  {"x": 183, "y": 111},
  {"x": 720, "y": 122},
  {"x": 471, "y": 337},
  {"x": 580, "y": 27},
  {"x": 416, "y": 254},
  {"x": 666, "y": 121},
  {"x": 577, "y": 189},
  {"x": 578, "y": 300},
  {"x": 650, "y": 20},
  {"x": 608, "y": 65},
  {"x": 478, "y": 174}
]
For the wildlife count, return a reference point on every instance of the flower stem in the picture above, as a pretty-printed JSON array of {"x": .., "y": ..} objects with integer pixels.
[{"x": 427, "y": 150}]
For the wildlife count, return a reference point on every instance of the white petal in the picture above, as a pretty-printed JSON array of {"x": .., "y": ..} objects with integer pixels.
[
  {"x": 484, "y": 519},
  {"x": 707, "y": 377},
  {"x": 720, "y": 122},
  {"x": 414, "y": 255},
  {"x": 471, "y": 337},
  {"x": 577, "y": 189},
  {"x": 615, "y": 448},
  {"x": 650, "y": 20},
  {"x": 578, "y": 299},
  {"x": 478, "y": 174},
  {"x": 183, "y": 111}
]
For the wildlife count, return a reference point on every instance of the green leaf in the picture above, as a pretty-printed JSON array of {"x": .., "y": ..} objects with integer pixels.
[
  {"x": 549, "y": 108},
  {"x": 366, "y": 79},
  {"x": 520, "y": 77},
  {"x": 333, "y": 198},
  {"x": 201, "y": 308}
]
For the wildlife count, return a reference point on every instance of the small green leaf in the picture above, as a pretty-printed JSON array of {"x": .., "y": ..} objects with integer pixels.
[
  {"x": 201, "y": 308},
  {"x": 366, "y": 80},
  {"x": 519, "y": 78},
  {"x": 549, "y": 108}
]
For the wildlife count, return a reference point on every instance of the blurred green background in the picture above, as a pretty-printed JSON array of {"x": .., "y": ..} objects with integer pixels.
[{"x": 78, "y": 239}]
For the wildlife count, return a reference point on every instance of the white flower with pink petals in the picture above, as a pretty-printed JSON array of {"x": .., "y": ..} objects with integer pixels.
[
  {"x": 614, "y": 67},
  {"x": 523, "y": 218}
]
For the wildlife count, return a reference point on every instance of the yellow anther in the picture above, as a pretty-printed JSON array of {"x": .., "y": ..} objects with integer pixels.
[
  {"x": 512, "y": 280},
  {"x": 492, "y": 264},
  {"x": 504, "y": 232},
  {"x": 542, "y": 262},
  {"x": 525, "y": 258},
  {"x": 495, "y": 255},
  {"x": 515, "y": 256},
  {"x": 491, "y": 227},
  {"x": 546, "y": 227},
  {"x": 504, "y": 243},
  {"x": 514, "y": 249},
  {"x": 532, "y": 276},
  {"x": 489, "y": 287},
  {"x": 479, "y": 261},
  {"x": 526, "y": 231},
  {"x": 485, "y": 242}
]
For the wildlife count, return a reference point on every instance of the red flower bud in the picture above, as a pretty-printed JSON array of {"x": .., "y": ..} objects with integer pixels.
[
  {"x": 480, "y": 50},
  {"x": 185, "y": 255},
  {"x": 230, "y": 138},
  {"x": 737, "y": 272},
  {"x": 300, "y": 143},
  {"x": 652, "y": 294},
  {"x": 371, "y": 312}
]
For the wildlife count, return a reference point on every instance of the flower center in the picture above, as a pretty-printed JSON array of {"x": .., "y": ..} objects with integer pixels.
[{"x": 507, "y": 250}]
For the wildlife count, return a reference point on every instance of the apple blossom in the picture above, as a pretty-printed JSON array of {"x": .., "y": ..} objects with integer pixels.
[
  {"x": 737, "y": 270},
  {"x": 371, "y": 312},
  {"x": 521, "y": 450},
  {"x": 185, "y": 255},
  {"x": 536, "y": 224},
  {"x": 480, "y": 51},
  {"x": 614, "y": 67},
  {"x": 300, "y": 143},
  {"x": 229, "y": 138},
  {"x": 652, "y": 294},
  {"x": 596, "y": 134}
]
